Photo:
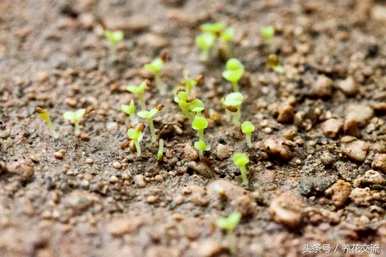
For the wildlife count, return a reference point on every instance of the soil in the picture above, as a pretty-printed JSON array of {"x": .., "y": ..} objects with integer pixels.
[{"x": 317, "y": 165}]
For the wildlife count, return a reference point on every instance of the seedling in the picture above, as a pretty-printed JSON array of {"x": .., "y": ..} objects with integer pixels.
[
  {"x": 75, "y": 118},
  {"x": 139, "y": 92},
  {"x": 148, "y": 116},
  {"x": 274, "y": 63},
  {"x": 155, "y": 68},
  {"x": 201, "y": 147},
  {"x": 113, "y": 37},
  {"x": 136, "y": 135},
  {"x": 45, "y": 117},
  {"x": 212, "y": 32},
  {"x": 247, "y": 128},
  {"x": 241, "y": 160},
  {"x": 234, "y": 70},
  {"x": 160, "y": 152},
  {"x": 229, "y": 225},
  {"x": 199, "y": 124},
  {"x": 188, "y": 83},
  {"x": 267, "y": 33},
  {"x": 129, "y": 109},
  {"x": 205, "y": 42},
  {"x": 232, "y": 103},
  {"x": 187, "y": 106}
]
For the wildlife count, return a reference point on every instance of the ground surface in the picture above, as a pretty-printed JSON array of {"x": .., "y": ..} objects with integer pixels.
[{"x": 317, "y": 171}]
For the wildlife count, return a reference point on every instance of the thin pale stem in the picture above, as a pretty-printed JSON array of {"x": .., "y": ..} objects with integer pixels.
[
  {"x": 235, "y": 86},
  {"x": 244, "y": 177},
  {"x": 138, "y": 148},
  {"x": 160, "y": 84},
  {"x": 201, "y": 135},
  {"x": 236, "y": 117},
  {"x": 142, "y": 102},
  {"x": 152, "y": 131},
  {"x": 77, "y": 129},
  {"x": 248, "y": 138}
]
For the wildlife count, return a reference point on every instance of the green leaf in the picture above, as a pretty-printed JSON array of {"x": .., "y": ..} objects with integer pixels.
[
  {"x": 267, "y": 33},
  {"x": 240, "y": 159},
  {"x": 214, "y": 28},
  {"x": 228, "y": 35},
  {"x": 148, "y": 115},
  {"x": 200, "y": 145},
  {"x": 196, "y": 106},
  {"x": 129, "y": 109},
  {"x": 134, "y": 134},
  {"x": 233, "y": 100},
  {"x": 229, "y": 223},
  {"x": 205, "y": 41},
  {"x": 74, "y": 117},
  {"x": 234, "y": 70},
  {"x": 155, "y": 66},
  {"x": 199, "y": 123},
  {"x": 247, "y": 127},
  {"x": 137, "y": 90},
  {"x": 114, "y": 37}
]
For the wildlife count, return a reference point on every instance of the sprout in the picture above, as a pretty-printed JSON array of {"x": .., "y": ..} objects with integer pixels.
[
  {"x": 129, "y": 109},
  {"x": 136, "y": 135},
  {"x": 113, "y": 37},
  {"x": 155, "y": 68},
  {"x": 201, "y": 147},
  {"x": 187, "y": 106},
  {"x": 274, "y": 63},
  {"x": 229, "y": 223},
  {"x": 241, "y": 160},
  {"x": 75, "y": 118},
  {"x": 45, "y": 117},
  {"x": 247, "y": 128},
  {"x": 199, "y": 124},
  {"x": 267, "y": 33},
  {"x": 232, "y": 103},
  {"x": 205, "y": 42},
  {"x": 148, "y": 116},
  {"x": 189, "y": 84},
  {"x": 213, "y": 28},
  {"x": 227, "y": 35},
  {"x": 139, "y": 92},
  {"x": 160, "y": 152},
  {"x": 234, "y": 70}
]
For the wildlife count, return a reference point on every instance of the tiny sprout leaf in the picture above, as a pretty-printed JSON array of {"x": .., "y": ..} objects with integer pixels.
[
  {"x": 134, "y": 134},
  {"x": 205, "y": 41},
  {"x": 148, "y": 115},
  {"x": 74, "y": 117},
  {"x": 234, "y": 70},
  {"x": 137, "y": 90},
  {"x": 228, "y": 35},
  {"x": 229, "y": 223},
  {"x": 196, "y": 106},
  {"x": 200, "y": 145},
  {"x": 129, "y": 109},
  {"x": 233, "y": 100},
  {"x": 199, "y": 123},
  {"x": 240, "y": 159},
  {"x": 155, "y": 66},
  {"x": 247, "y": 127},
  {"x": 267, "y": 33},
  {"x": 114, "y": 37},
  {"x": 214, "y": 28}
]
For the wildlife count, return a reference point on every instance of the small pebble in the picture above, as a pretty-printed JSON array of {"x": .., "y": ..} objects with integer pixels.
[
  {"x": 208, "y": 248},
  {"x": 371, "y": 177},
  {"x": 356, "y": 150},
  {"x": 139, "y": 180},
  {"x": 379, "y": 162},
  {"x": 275, "y": 147},
  {"x": 117, "y": 165},
  {"x": 286, "y": 113},
  {"x": 60, "y": 154},
  {"x": 322, "y": 87},
  {"x": 286, "y": 209},
  {"x": 223, "y": 151},
  {"x": 357, "y": 115},
  {"x": 190, "y": 153},
  {"x": 340, "y": 192},
  {"x": 348, "y": 86},
  {"x": 331, "y": 127}
]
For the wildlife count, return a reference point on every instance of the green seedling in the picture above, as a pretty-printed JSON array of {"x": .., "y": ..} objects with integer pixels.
[
  {"x": 267, "y": 33},
  {"x": 213, "y": 28},
  {"x": 189, "y": 83},
  {"x": 155, "y": 68},
  {"x": 129, "y": 109},
  {"x": 234, "y": 70},
  {"x": 188, "y": 107},
  {"x": 75, "y": 118},
  {"x": 241, "y": 160},
  {"x": 274, "y": 63},
  {"x": 136, "y": 135},
  {"x": 160, "y": 152},
  {"x": 113, "y": 37},
  {"x": 139, "y": 92},
  {"x": 247, "y": 128},
  {"x": 229, "y": 224},
  {"x": 205, "y": 42},
  {"x": 45, "y": 117},
  {"x": 232, "y": 103},
  {"x": 148, "y": 116},
  {"x": 201, "y": 147},
  {"x": 199, "y": 124}
]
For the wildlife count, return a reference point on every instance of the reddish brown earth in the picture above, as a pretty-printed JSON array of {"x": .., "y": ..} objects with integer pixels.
[{"x": 318, "y": 164}]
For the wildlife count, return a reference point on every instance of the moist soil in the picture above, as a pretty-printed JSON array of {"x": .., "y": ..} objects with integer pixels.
[{"x": 317, "y": 164}]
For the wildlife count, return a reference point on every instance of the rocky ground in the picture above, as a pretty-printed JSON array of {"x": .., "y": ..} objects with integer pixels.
[{"x": 318, "y": 161}]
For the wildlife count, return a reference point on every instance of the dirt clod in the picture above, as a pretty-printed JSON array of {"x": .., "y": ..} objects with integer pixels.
[
  {"x": 286, "y": 209},
  {"x": 379, "y": 162},
  {"x": 275, "y": 147},
  {"x": 340, "y": 192},
  {"x": 356, "y": 150}
]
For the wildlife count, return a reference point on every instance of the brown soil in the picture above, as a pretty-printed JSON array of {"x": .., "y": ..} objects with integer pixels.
[{"x": 318, "y": 164}]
